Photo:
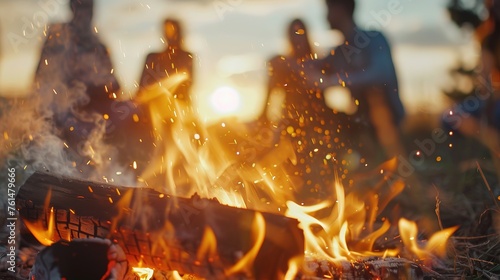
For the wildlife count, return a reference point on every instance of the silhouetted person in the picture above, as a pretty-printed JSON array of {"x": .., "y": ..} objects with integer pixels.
[
  {"x": 363, "y": 64},
  {"x": 304, "y": 118},
  {"x": 169, "y": 112},
  {"x": 73, "y": 56},
  {"x": 75, "y": 80},
  {"x": 173, "y": 60}
]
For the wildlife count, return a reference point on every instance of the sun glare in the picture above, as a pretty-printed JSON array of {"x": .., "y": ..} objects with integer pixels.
[{"x": 225, "y": 100}]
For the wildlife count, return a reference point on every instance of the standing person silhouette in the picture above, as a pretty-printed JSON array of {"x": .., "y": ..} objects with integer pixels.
[
  {"x": 170, "y": 112},
  {"x": 173, "y": 60},
  {"x": 363, "y": 64},
  {"x": 73, "y": 56},
  {"x": 305, "y": 120},
  {"x": 75, "y": 81}
]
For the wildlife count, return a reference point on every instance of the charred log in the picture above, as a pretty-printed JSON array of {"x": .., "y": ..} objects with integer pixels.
[{"x": 160, "y": 231}]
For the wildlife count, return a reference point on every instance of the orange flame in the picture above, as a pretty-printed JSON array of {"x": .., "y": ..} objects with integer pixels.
[
  {"x": 435, "y": 246},
  {"x": 208, "y": 247},
  {"x": 44, "y": 235},
  {"x": 258, "y": 233},
  {"x": 144, "y": 273},
  {"x": 328, "y": 237}
]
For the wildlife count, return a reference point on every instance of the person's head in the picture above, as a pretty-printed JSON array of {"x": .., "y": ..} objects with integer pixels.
[
  {"x": 339, "y": 12},
  {"x": 297, "y": 34},
  {"x": 173, "y": 33},
  {"x": 83, "y": 11}
]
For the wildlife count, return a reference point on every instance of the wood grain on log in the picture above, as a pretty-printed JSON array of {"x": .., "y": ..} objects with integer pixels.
[{"x": 159, "y": 231}]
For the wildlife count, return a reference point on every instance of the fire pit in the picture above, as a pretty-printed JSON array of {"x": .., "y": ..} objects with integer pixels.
[{"x": 193, "y": 236}]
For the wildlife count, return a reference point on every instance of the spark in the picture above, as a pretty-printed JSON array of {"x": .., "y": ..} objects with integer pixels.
[
  {"x": 134, "y": 165},
  {"x": 95, "y": 29}
]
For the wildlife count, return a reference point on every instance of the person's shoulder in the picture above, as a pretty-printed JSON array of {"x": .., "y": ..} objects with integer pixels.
[{"x": 377, "y": 37}]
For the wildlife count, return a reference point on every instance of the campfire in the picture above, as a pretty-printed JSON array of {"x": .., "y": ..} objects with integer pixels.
[
  {"x": 143, "y": 187},
  {"x": 205, "y": 210}
]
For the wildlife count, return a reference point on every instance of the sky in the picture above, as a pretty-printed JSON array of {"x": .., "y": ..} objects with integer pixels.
[{"x": 232, "y": 39}]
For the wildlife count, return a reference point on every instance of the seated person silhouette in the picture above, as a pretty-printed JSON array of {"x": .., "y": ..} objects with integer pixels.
[
  {"x": 478, "y": 114},
  {"x": 363, "y": 64},
  {"x": 304, "y": 119},
  {"x": 75, "y": 80}
]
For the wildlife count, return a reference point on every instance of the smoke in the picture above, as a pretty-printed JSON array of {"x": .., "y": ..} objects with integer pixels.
[
  {"x": 54, "y": 130},
  {"x": 46, "y": 132}
]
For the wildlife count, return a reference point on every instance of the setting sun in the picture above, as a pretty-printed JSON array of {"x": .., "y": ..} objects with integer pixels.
[{"x": 225, "y": 100}]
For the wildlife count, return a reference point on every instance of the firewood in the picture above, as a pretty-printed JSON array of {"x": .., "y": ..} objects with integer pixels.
[{"x": 159, "y": 231}]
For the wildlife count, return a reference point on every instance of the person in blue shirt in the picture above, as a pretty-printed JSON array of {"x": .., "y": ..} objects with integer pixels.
[{"x": 363, "y": 64}]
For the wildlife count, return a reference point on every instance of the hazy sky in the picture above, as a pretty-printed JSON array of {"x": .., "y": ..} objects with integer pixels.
[{"x": 232, "y": 39}]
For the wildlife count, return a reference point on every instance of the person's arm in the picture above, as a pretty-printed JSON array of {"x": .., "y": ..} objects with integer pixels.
[
  {"x": 378, "y": 71},
  {"x": 382, "y": 119}
]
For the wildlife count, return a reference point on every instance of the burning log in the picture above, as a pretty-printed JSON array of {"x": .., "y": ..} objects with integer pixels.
[{"x": 193, "y": 236}]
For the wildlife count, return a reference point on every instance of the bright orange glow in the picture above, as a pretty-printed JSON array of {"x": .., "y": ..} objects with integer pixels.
[
  {"x": 44, "y": 235},
  {"x": 144, "y": 273},
  {"x": 436, "y": 244},
  {"x": 327, "y": 237},
  {"x": 210, "y": 160},
  {"x": 208, "y": 247},
  {"x": 219, "y": 161}
]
